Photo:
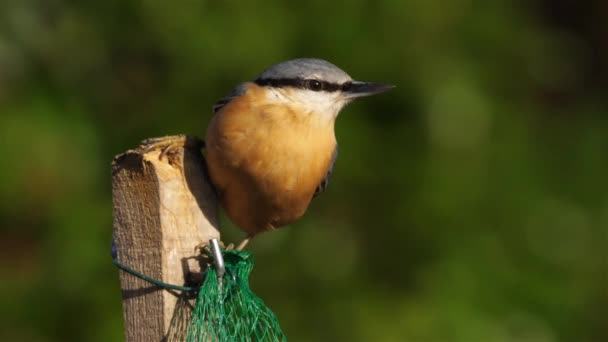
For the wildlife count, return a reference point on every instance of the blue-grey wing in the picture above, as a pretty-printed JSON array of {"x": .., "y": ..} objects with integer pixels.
[
  {"x": 325, "y": 182},
  {"x": 236, "y": 92}
]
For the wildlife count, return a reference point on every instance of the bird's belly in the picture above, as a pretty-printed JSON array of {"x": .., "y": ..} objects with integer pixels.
[
  {"x": 266, "y": 185},
  {"x": 266, "y": 201},
  {"x": 263, "y": 193}
]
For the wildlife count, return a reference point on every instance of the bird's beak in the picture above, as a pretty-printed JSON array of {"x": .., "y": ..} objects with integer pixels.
[{"x": 360, "y": 89}]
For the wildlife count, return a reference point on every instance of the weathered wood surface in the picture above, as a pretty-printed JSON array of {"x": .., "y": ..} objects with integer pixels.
[{"x": 163, "y": 208}]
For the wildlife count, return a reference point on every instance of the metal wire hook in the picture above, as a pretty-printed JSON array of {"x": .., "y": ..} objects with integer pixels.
[{"x": 218, "y": 259}]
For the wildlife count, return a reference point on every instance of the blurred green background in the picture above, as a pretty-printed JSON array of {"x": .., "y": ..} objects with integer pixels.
[{"x": 468, "y": 204}]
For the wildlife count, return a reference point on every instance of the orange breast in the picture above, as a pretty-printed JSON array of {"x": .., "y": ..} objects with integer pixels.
[{"x": 266, "y": 160}]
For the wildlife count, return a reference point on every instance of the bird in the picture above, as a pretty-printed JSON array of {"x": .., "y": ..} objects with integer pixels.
[{"x": 271, "y": 147}]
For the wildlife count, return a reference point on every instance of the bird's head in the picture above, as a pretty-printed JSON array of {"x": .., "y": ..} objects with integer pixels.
[{"x": 315, "y": 85}]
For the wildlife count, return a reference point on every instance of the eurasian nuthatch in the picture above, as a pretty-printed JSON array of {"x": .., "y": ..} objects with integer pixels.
[{"x": 271, "y": 147}]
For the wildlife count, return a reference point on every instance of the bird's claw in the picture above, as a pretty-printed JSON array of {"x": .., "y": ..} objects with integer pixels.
[{"x": 205, "y": 251}]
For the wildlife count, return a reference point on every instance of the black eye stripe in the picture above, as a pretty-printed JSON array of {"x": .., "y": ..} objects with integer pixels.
[{"x": 302, "y": 83}]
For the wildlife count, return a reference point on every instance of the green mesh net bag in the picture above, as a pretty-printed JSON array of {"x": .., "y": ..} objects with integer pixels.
[{"x": 228, "y": 310}]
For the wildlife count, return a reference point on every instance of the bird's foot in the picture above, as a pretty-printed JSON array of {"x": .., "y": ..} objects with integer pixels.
[
  {"x": 170, "y": 144},
  {"x": 205, "y": 251},
  {"x": 244, "y": 243}
]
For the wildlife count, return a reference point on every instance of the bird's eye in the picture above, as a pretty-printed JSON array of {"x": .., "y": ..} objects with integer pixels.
[
  {"x": 346, "y": 86},
  {"x": 315, "y": 85}
]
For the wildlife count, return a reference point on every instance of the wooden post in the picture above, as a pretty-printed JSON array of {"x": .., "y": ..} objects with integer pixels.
[{"x": 163, "y": 208}]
